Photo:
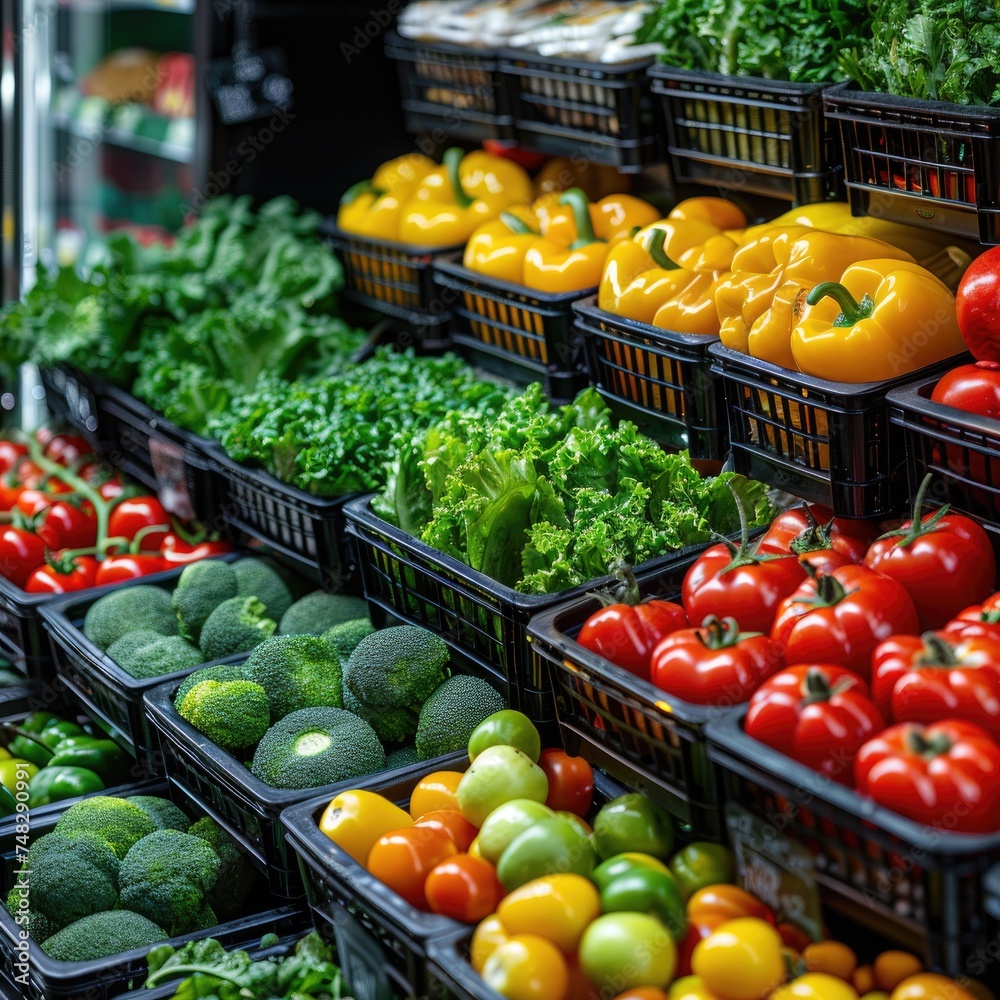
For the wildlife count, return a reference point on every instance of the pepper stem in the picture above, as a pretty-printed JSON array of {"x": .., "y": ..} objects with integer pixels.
[
  {"x": 656, "y": 251},
  {"x": 355, "y": 191},
  {"x": 517, "y": 225},
  {"x": 579, "y": 203},
  {"x": 852, "y": 311},
  {"x": 452, "y": 161}
]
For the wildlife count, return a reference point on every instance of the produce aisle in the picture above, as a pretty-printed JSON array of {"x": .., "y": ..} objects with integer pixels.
[{"x": 567, "y": 572}]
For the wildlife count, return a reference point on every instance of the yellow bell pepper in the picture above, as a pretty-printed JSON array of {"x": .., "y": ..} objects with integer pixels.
[
  {"x": 881, "y": 319},
  {"x": 457, "y": 197},
  {"x": 760, "y": 303},
  {"x": 374, "y": 207},
  {"x": 498, "y": 248},
  {"x": 612, "y": 218}
]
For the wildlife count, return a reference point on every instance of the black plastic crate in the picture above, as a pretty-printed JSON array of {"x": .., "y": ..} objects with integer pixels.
[
  {"x": 828, "y": 442},
  {"x": 571, "y": 107},
  {"x": 22, "y": 636},
  {"x": 513, "y": 331},
  {"x": 109, "y": 695},
  {"x": 481, "y": 620},
  {"x": 334, "y": 879},
  {"x": 924, "y": 163},
  {"x": 659, "y": 379},
  {"x": 766, "y": 137},
  {"x": 922, "y": 887},
  {"x": 160, "y": 455},
  {"x": 394, "y": 279},
  {"x": 101, "y": 979},
  {"x": 961, "y": 449},
  {"x": 450, "y": 88},
  {"x": 247, "y": 807},
  {"x": 73, "y": 399}
]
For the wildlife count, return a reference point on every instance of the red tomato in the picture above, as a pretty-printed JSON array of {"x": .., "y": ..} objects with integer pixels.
[
  {"x": 103, "y": 478},
  {"x": 938, "y": 677},
  {"x": 176, "y": 552},
  {"x": 816, "y": 714},
  {"x": 977, "y": 306},
  {"x": 63, "y": 577},
  {"x": 9, "y": 496},
  {"x": 571, "y": 782},
  {"x": 32, "y": 476},
  {"x": 977, "y": 620},
  {"x": 627, "y": 633},
  {"x": 20, "y": 553},
  {"x": 738, "y": 581},
  {"x": 132, "y": 516},
  {"x": 67, "y": 449},
  {"x": 68, "y": 526},
  {"x": 10, "y": 454},
  {"x": 945, "y": 561},
  {"x": 114, "y": 569},
  {"x": 840, "y": 618},
  {"x": 463, "y": 888},
  {"x": 971, "y": 388},
  {"x": 461, "y": 831},
  {"x": 31, "y": 501},
  {"x": 697, "y": 931},
  {"x": 714, "y": 664},
  {"x": 945, "y": 775},
  {"x": 403, "y": 859},
  {"x": 812, "y": 528}
]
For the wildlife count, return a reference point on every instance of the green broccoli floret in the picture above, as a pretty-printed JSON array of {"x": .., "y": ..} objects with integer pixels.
[
  {"x": 232, "y": 714},
  {"x": 317, "y": 746},
  {"x": 206, "y": 918},
  {"x": 391, "y": 725},
  {"x": 346, "y": 636},
  {"x": 34, "y": 923},
  {"x": 130, "y": 609},
  {"x": 218, "y": 672},
  {"x": 236, "y": 874},
  {"x": 451, "y": 714},
  {"x": 319, "y": 611},
  {"x": 155, "y": 657},
  {"x": 296, "y": 671},
  {"x": 402, "y": 757},
  {"x": 236, "y": 626},
  {"x": 66, "y": 877},
  {"x": 168, "y": 876},
  {"x": 399, "y": 667},
  {"x": 255, "y": 578},
  {"x": 201, "y": 588},
  {"x": 164, "y": 814},
  {"x": 117, "y": 821},
  {"x": 102, "y": 934}
]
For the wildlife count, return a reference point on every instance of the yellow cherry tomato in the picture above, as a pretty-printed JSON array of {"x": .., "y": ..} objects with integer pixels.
[
  {"x": 741, "y": 960},
  {"x": 831, "y": 957},
  {"x": 355, "y": 820},
  {"x": 527, "y": 967},
  {"x": 558, "y": 908},
  {"x": 486, "y": 938},
  {"x": 816, "y": 986},
  {"x": 892, "y": 967},
  {"x": 436, "y": 791},
  {"x": 691, "y": 988},
  {"x": 930, "y": 986}
]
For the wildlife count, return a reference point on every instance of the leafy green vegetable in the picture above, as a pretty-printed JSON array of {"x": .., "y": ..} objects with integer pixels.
[
  {"x": 544, "y": 499},
  {"x": 782, "y": 40},
  {"x": 938, "y": 50}
]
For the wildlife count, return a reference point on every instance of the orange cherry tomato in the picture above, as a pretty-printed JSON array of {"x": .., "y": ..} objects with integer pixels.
[
  {"x": 403, "y": 859},
  {"x": 461, "y": 831},
  {"x": 435, "y": 793},
  {"x": 463, "y": 888},
  {"x": 643, "y": 993},
  {"x": 892, "y": 967},
  {"x": 930, "y": 986},
  {"x": 863, "y": 979},
  {"x": 831, "y": 957},
  {"x": 727, "y": 901}
]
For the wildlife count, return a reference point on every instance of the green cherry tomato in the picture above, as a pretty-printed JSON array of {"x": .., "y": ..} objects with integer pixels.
[
  {"x": 644, "y": 890},
  {"x": 10, "y": 770},
  {"x": 633, "y": 823},
  {"x": 553, "y": 846},
  {"x": 507, "y": 728},
  {"x": 623, "y": 951},
  {"x": 700, "y": 865}
]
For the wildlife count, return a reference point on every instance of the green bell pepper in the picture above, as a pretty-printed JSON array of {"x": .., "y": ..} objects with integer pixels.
[
  {"x": 52, "y": 735},
  {"x": 702, "y": 864},
  {"x": 102, "y": 756},
  {"x": 8, "y": 804},
  {"x": 38, "y": 721},
  {"x": 53, "y": 784},
  {"x": 30, "y": 749}
]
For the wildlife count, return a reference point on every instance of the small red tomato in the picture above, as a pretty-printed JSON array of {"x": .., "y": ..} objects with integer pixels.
[
  {"x": 463, "y": 888},
  {"x": 68, "y": 526},
  {"x": 715, "y": 664},
  {"x": 461, "y": 831},
  {"x": 31, "y": 501},
  {"x": 67, "y": 449},
  {"x": 403, "y": 859},
  {"x": 20, "y": 553},
  {"x": 63, "y": 577},
  {"x": 134, "y": 516},
  {"x": 115, "y": 569},
  {"x": 811, "y": 528},
  {"x": 571, "y": 782},
  {"x": 10, "y": 454}
]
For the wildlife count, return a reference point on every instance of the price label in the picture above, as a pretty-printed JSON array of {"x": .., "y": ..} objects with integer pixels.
[
  {"x": 170, "y": 470},
  {"x": 778, "y": 871}
]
